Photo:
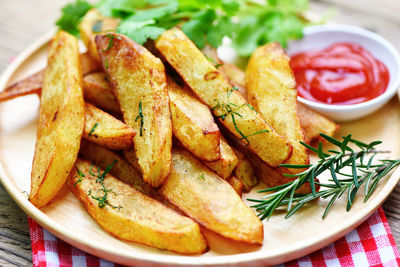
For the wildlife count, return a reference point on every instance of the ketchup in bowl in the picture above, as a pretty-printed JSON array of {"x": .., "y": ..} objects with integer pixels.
[{"x": 342, "y": 74}]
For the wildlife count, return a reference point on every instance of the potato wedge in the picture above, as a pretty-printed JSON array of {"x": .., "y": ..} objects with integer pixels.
[
  {"x": 228, "y": 160},
  {"x": 226, "y": 103},
  {"x": 193, "y": 124},
  {"x": 314, "y": 123},
  {"x": 230, "y": 72},
  {"x": 29, "y": 85},
  {"x": 105, "y": 130},
  {"x": 130, "y": 215},
  {"x": 236, "y": 184},
  {"x": 61, "y": 120},
  {"x": 244, "y": 172},
  {"x": 139, "y": 81},
  {"x": 95, "y": 23},
  {"x": 33, "y": 83},
  {"x": 121, "y": 169},
  {"x": 271, "y": 89},
  {"x": 210, "y": 200},
  {"x": 99, "y": 92}
]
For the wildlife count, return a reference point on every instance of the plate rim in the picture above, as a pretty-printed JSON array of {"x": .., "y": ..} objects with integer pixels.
[{"x": 313, "y": 244}]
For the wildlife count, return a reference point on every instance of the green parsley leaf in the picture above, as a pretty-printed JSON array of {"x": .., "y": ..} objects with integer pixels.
[
  {"x": 72, "y": 14},
  {"x": 140, "y": 31}
]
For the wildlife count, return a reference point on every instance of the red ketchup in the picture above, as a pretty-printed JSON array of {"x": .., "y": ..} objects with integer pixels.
[{"x": 342, "y": 74}]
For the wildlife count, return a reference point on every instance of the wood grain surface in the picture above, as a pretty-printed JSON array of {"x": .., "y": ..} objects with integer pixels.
[{"x": 23, "y": 21}]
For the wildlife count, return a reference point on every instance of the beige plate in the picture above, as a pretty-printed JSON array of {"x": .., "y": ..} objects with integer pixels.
[{"x": 66, "y": 218}]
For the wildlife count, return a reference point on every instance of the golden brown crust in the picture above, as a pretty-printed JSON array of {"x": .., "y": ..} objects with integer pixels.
[
  {"x": 139, "y": 82},
  {"x": 206, "y": 82},
  {"x": 61, "y": 120}
]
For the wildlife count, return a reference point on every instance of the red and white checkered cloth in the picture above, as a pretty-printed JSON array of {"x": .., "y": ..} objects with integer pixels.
[{"x": 371, "y": 244}]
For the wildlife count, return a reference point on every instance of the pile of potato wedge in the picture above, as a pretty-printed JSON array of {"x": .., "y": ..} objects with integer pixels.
[{"x": 157, "y": 140}]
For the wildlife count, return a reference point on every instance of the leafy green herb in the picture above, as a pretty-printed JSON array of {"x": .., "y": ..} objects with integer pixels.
[
  {"x": 110, "y": 42},
  {"x": 71, "y": 15},
  {"x": 248, "y": 23},
  {"x": 102, "y": 200},
  {"x": 93, "y": 128},
  {"x": 27, "y": 195},
  {"x": 202, "y": 177},
  {"x": 80, "y": 174},
  {"x": 218, "y": 65},
  {"x": 230, "y": 90},
  {"x": 232, "y": 110},
  {"x": 361, "y": 172},
  {"x": 140, "y": 115}
]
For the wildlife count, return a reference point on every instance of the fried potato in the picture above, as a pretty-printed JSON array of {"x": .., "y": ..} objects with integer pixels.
[
  {"x": 230, "y": 72},
  {"x": 61, "y": 120},
  {"x": 314, "y": 123},
  {"x": 105, "y": 130},
  {"x": 236, "y": 184},
  {"x": 130, "y": 215},
  {"x": 226, "y": 103},
  {"x": 30, "y": 85},
  {"x": 33, "y": 83},
  {"x": 210, "y": 200},
  {"x": 227, "y": 161},
  {"x": 244, "y": 172},
  {"x": 139, "y": 81},
  {"x": 271, "y": 89},
  {"x": 121, "y": 169},
  {"x": 193, "y": 124},
  {"x": 99, "y": 92},
  {"x": 95, "y": 23}
]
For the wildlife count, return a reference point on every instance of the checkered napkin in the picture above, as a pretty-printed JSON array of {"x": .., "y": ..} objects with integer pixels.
[{"x": 371, "y": 244}]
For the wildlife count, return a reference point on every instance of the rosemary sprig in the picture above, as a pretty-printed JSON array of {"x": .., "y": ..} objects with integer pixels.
[{"x": 349, "y": 170}]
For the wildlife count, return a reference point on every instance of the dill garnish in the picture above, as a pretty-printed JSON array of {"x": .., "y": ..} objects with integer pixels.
[
  {"x": 110, "y": 41},
  {"x": 93, "y": 128},
  {"x": 102, "y": 200},
  {"x": 231, "y": 109},
  {"x": 360, "y": 172},
  {"x": 140, "y": 115},
  {"x": 230, "y": 90},
  {"x": 80, "y": 174}
]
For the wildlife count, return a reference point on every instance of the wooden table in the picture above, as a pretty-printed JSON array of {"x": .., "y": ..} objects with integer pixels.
[{"x": 23, "y": 21}]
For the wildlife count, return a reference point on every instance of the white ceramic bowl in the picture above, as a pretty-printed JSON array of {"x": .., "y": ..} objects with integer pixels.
[{"x": 319, "y": 37}]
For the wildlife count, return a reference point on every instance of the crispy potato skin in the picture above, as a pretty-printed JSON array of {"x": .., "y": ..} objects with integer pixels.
[
  {"x": 121, "y": 169},
  {"x": 193, "y": 123},
  {"x": 86, "y": 30},
  {"x": 271, "y": 89},
  {"x": 314, "y": 123},
  {"x": 236, "y": 184},
  {"x": 228, "y": 160},
  {"x": 210, "y": 200},
  {"x": 207, "y": 83},
  {"x": 30, "y": 85},
  {"x": 109, "y": 132},
  {"x": 134, "y": 216},
  {"x": 244, "y": 172},
  {"x": 139, "y": 81},
  {"x": 98, "y": 91},
  {"x": 230, "y": 72},
  {"x": 33, "y": 83},
  {"x": 61, "y": 120}
]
